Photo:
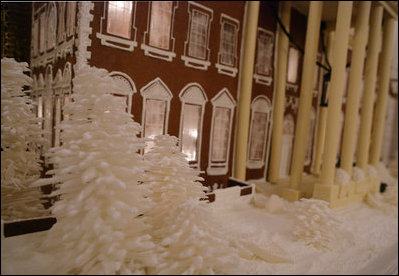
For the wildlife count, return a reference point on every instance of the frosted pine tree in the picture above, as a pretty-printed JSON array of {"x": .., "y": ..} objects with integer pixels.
[
  {"x": 100, "y": 228},
  {"x": 19, "y": 136},
  {"x": 192, "y": 242}
]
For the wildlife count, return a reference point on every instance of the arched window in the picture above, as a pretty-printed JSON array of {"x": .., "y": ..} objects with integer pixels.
[
  {"x": 126, "y": 88},
  {"x": 222, "y": 119},
  {"x": 259, "y": 130},
  {"x": 156, "y": 105},
  {"x": 51, "y": 26},
  {"x": 193, "y": 100}
]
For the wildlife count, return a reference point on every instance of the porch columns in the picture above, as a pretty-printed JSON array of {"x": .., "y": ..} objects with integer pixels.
[
  {"x": 305, "y": 100},
  {"x": 244, "y": 101},
  {"x": 279, "y": 97},
  {"x": 384, "y": 73},
  {"x": 355, "y": 80},
  {"x": 340, "y": 49},
  {"x": 373, "y": 49},
  {"x": 321, "y": 124}
]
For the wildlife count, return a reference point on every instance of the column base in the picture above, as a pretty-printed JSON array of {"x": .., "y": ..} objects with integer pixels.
[
  {"x": 292, "y": 194},
  {"x": 327, "y": 193},
  {"x": 346, "y": 190}
]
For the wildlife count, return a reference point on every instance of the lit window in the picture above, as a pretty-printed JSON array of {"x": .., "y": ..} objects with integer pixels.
[
  {"x": 42, "y": 22},
  {"x": 259, "y": 129},
  {"x": 61, "y": 22},
  {"x": 119, "y": 18},
  {"x": 265, "y": 53},
  {"x": 223, "y": 105},
  {"x": 154, "y": 120},
  {"x": 71, "y": 14},
  {"x": 191, "y": 125},
  {"x": 161, "y": 13},
  {"x": 196, "y": 52},
  {"x": 193, "y": 100},
  {"x": 156, "y": 98},
  {"x": 51, "y": 27},
  {"x": 198, "y": 35},
  {"x": 293, "y": 62}
]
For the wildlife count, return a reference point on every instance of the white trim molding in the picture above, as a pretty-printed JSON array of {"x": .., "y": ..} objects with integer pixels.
[
  {"x": 195, "y": 62},
  {"x": 114, "y": 41},
  {"x": 228, "y": 69},
  {"x": 126, "y": 87},
  {"x": 259, "y": 104},
  {"x": 194, "y": 94},
  {"x": 155, "y": 52},
  {"x": 262, "y": 78},
  {"x": 224, "y": 100}
]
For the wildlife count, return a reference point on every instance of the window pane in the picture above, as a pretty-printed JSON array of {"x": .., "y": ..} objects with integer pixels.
[
  {"x": 161, "y": 13},
  {"x": 293, "y": 60},
  {"x": 154, "y": 120},
  {"x": 198, "y": 35},
  {"x": 51, "y": 31},
  {"x": 220, "y": 139},
  {"x": 119, "y": 18},
  {"x": 264, "y": 54},
  {"x": 228, "y": 44},
  {"x": 258, "y": 136},
  {"x": 191, "y": 128},
  {"x": 35, "y": 38}
]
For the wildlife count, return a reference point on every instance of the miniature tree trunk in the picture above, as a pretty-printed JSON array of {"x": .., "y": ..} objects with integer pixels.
[{"x": 19, "y": 135}]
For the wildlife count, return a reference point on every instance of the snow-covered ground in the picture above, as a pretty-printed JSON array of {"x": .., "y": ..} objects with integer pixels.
[{"x": 372, "y": 247}]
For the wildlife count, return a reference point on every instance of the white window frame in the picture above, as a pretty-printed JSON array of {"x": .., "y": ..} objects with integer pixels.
[
  {"x": 51, "y": 30},
  {"x": 224, "y": 100},
  {"x": 70, "y": 18},
  {"x": 259, "y": 104},
  {"x": 293, "y": 85},
  {"x": 115, "y": 41},
  {"x": 259, "y": 77},
  {"x": 156, "y": 52},
  {"x": 194, "y": 62},
  {"x": 126, "y": 87},
  {"x": 193, "y": 93},
  {"x": 150, "y": 91},
  {"x": 225, "y": 69},
  {"x": 61, "y": 33}
]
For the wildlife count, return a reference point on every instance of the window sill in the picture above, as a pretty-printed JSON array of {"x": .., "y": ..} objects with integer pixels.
[
  {"x": 195, "y": 63},
  {"x": 255, "y": 164},
  {"x": 263, "y": 79},
  {"x": 292, "y": 86},
  {"x": 112, "y": 41},
  {"x": 157, "y": 53},
  {"x": 217, "y": 170},
  {"x": 226, "y": 70}
]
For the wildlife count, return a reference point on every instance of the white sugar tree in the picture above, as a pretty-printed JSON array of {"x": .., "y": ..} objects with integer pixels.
[
  {"x": 100, "y": 228},
  {"x": 19, "y": 136},
  {"x": 191, "y": 241}
]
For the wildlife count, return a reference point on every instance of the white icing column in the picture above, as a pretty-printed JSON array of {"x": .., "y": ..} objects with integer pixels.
[
  {"x": 244, "y": 101},
  {"x": 366, "y": 114},
  {"x": 322, "y": 120},
  {"x": 384, "y": 69},
  {"x": 279, "y": 97},
  {"x": 306, "y": 95},
  {"x": 355, "y": 81},
  {"x": 324, "y": 190}
]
